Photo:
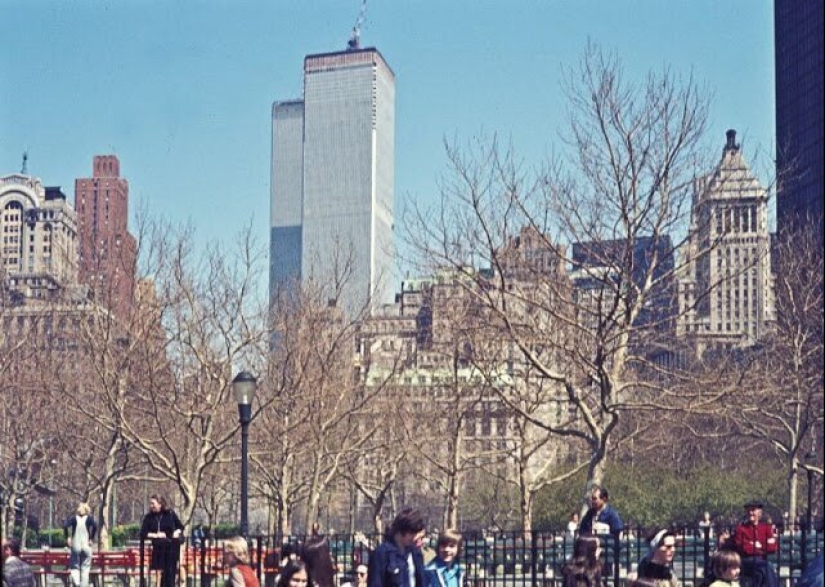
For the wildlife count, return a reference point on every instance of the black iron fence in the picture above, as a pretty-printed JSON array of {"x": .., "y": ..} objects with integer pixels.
[{"x": 502, "y": 559}]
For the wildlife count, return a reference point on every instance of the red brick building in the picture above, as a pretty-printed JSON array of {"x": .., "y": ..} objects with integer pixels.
[{"x": 107, "y": 252}]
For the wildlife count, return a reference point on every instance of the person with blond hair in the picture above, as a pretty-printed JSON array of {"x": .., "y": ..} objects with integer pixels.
[
  {"x": 444, "y": 570},
  {"x": 236, "y": 557},
  {"x": 80, "y": 530}
]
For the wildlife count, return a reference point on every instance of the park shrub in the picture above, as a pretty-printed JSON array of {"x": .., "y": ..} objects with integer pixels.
[
  {"x": 32, "y": 539},
  {"x": 224, "y": 531},
  {"x": 658, "y": 496},
  {"x": 58, "y": 538},
  {"x": 122, "y": 535}
]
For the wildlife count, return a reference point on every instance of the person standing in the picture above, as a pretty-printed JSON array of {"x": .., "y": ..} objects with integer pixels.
[
  {"x": 397, "y": 561},
  {"x": 657, "y": 564},
  {"x": 16, "y": 573},
  {"x": 444, "y": 570},
  {"x": 318, "y": 558},
  {"x": 601, "y": 517},
  {"x": 80, "y": 530},
  {"x": 754, "y": 540},
  {"x": 163, "y": 527},
  {"x": 706, "y": 526},
  {"x": 573, "y": 525}
]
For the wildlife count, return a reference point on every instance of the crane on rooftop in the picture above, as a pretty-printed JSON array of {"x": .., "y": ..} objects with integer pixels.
[{"x": 355, "y": 39}]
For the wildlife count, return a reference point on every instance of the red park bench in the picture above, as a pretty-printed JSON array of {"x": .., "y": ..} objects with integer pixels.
[
  {"x": 123, "y": 564},
  {"x": 209, "y": 561}
]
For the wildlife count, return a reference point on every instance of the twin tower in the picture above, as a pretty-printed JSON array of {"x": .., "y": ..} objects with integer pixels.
[{"x": 332, "y": 182}]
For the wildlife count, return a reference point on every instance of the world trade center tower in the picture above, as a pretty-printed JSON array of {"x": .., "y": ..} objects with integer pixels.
[{"x": 332, "y": 181}]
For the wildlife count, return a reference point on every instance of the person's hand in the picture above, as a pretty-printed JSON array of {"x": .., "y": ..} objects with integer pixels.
[
  {"x": 724, "y": 537},
  {"x": 68, "y": 542},
  {"x": 757, "y": 544}
]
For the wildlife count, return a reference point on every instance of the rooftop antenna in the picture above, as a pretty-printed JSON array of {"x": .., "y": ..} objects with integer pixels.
[
  {"x": 355, "y": 39},
  {"x": 25, "y": 169}
]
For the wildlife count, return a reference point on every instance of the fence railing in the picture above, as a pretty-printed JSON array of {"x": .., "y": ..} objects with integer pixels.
[
  {"x": 501, "y": 559},
  {"x": 514, "y": 558}
]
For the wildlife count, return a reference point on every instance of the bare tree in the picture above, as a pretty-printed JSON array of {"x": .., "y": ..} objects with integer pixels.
[
  {"x": 783, "y": 403},
  {"x": 624, "y": 186},
  {"x": 374, "y": 471},
  {"x": 205, "y": 317},
  {"x": 30, "y": 442},
  {"x": 315, "y": 420}
]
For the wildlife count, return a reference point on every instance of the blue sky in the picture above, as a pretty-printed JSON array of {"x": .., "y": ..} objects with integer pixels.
[{"x": 181, "y": 91}]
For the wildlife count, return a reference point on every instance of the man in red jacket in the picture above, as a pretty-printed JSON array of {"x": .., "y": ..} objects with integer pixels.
[{"x": 754, "y": 540}]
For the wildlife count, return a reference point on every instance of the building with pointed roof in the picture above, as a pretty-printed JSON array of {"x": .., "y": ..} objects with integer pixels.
[{"x": 725, "y": 282}]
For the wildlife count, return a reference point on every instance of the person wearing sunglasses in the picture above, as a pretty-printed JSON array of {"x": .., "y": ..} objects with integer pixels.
[
  {"x": 657, "y": 564},
  {"x": 359, "y": 577}
]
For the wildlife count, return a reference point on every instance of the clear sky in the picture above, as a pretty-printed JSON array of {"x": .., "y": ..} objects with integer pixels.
[{"x": 181, "y": 91}]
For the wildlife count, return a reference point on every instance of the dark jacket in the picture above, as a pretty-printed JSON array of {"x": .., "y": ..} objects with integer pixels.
[
  {"x": 165, "y": 521},
  {"x": 608, "y": 516},
  {"x": 661, "y": 574},
  {"x": 388, "y": 566},
  {"x": 165, "y": 552},
  {"x": 70, "y": 526}
]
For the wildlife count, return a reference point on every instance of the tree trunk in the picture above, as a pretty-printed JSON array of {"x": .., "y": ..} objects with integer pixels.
[
  {"x": 793, "y": 487},
  {"x": 527, "y": 512},
  {"x": 595, "y": 475}
]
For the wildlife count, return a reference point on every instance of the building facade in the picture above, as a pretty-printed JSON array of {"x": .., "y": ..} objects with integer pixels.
[
  {"x": 107, "y": 251},
  {"x": 332, "y": 189},
  {"x": 725, "y": 281},
  {"x": 39, "y": 231},
  {"x": 800, "y": 134},
  {"x": 598, "y": 270}
]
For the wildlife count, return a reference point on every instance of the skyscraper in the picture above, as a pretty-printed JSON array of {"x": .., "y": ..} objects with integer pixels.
[
  {"x": 107, "y": 252},
  {"x": 725, "y": 284},
  {"x": 798, "y": 42},
  {"x": 332, "y": 180}
]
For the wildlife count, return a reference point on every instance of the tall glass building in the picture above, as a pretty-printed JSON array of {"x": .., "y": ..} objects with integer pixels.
[
  {"x": 800, "y": 135},
  {"x": 332, "y": 181}
]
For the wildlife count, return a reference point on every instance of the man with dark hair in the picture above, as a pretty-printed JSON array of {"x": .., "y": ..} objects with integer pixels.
[
  {"x": 16, "y": 573},
  {"x": 397, "y": 561},
  {"x": 601, "y": 517}
]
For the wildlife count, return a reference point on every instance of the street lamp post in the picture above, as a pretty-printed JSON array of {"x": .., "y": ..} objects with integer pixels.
[
  {"x": 244, "y": 386},
  {"x": 810, "y": 512},
  {"x": 807, "y": 526}
]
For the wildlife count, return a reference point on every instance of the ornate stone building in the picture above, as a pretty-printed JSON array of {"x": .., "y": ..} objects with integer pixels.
[
  {"x": 725, "y": 284},
  {"x": 38, "y": 258}
]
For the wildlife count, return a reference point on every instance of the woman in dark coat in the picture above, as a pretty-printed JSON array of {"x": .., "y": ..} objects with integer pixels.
[{"x": 163, "y": 527}]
